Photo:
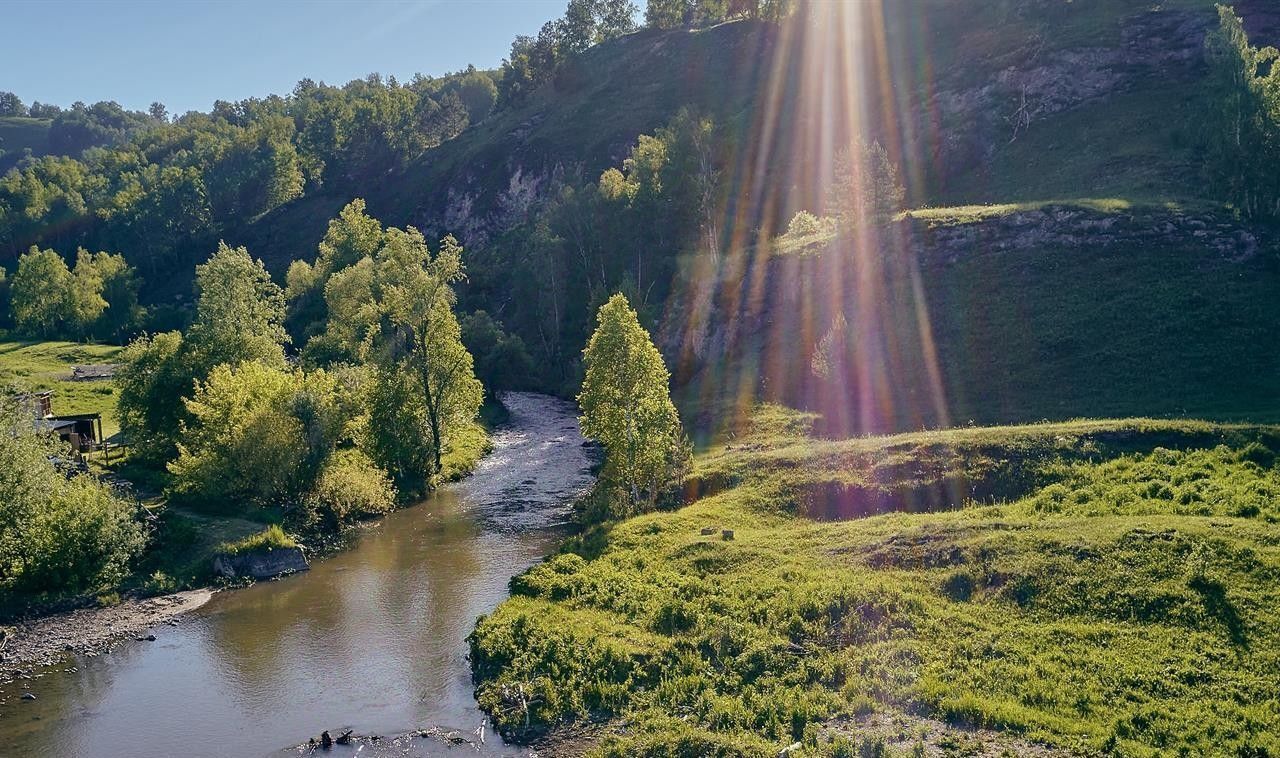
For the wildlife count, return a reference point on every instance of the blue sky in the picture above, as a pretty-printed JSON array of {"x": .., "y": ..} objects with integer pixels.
[{"x": 188, "y": 53}]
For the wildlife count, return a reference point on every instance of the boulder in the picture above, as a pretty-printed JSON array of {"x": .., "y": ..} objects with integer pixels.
[{"x": 261, "y": 564}]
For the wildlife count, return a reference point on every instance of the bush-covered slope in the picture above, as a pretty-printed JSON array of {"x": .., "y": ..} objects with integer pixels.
[
  {"x": 19, "y": 134},
  {"x": 1118, "y": 595}
]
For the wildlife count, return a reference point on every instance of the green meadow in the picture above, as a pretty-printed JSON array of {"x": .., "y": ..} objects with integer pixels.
[{"x": 1083, "y": 588}]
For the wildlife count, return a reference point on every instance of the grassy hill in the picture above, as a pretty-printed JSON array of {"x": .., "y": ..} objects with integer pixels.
[
  {"x": 48, "y": 365},
  {"x": 1059, "y": 589},
  {"x": 18, "y": 134}
]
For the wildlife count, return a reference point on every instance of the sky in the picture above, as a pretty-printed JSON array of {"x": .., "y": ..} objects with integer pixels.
[{"x": 189, "y": 53}]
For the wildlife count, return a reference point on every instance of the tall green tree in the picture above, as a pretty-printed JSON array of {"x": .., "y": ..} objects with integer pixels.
[
  {"x": 1242, "y": 126},
  {"x": 85, "y": 303},
  {"x": 240, "y": 312},
  {"x": 626, "y": 406},
  {"x": 866, "y": 189},
  {"x": 239, "y": 317},
  {"x": 396, "y": 311},
  {"x": 419, "y": 335},
  {"x": 119, "y": 290},
  {"x": 156, "y": 372},
  {"x": 351, "y": 237},
  {"x": 41, "y": 293}
]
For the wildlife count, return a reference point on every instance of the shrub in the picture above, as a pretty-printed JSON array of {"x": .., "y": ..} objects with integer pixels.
[
  {"x": 271, "y": 538},
  {"x": 58, "y": 534},
  {"x": 350, "y": 487}
]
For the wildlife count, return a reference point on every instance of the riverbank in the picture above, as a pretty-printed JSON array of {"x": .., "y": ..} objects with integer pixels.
[
  {"x": 186, "y": 545},
  {"x": 28, "y": 646},
  {"x": 371, "y": 639},
  {"x": 1080, "y": 587}
]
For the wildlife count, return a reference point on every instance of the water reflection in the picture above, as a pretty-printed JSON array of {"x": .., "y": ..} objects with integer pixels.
[{"x": 371, "y": 639}]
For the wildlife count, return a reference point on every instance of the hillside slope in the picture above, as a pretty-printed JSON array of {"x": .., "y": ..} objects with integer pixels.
[
  {"x": 959, "y": 73},
  {"x": 1146, "y": 297},
  {"x": 19, "y": 134},
  {"x": 1101, "y": 588},
  {"x": 995, "y": 315}
]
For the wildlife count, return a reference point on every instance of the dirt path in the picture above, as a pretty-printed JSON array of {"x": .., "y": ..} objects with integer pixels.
[{"x": 88, "y": 631}]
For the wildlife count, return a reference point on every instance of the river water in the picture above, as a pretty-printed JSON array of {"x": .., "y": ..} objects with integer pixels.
[{"x": 371, "y": 639}]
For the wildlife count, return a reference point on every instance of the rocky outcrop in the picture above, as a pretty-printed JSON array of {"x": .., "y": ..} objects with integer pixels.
[
  {"x": 261, "y": 564},
  {"x": 1066, "y": 227}
]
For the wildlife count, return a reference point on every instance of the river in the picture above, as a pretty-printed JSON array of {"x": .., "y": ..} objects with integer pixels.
[{"x": 371, "y": 639}]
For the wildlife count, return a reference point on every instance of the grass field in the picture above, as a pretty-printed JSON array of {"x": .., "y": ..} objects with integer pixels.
[
  {"x": 1093, "y": 587},
  {"x": 47, "y": 365},
  {"x": 17, "y": 134}
]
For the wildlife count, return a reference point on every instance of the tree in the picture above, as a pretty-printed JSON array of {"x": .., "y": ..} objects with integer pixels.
[
  {"x": 866, "y": 190},
  {"x": 11, "y": 105},
  {"x": 239, "y": 313},
  {"x": 85, "y": 304},
  {"x": 41, "y": 293},
  {"x": 1242, "y": 129},
  {"x": 351, "y": 237},
  {"x": 502, "y": 361},
  {"x": 118, "y": 289},
  {"x": 395, "y": 310},
  {"x": 265, "y": 436},
  {"x": 626, "y": 405},
  {"x": 420, "y": 335},
  {"x": 158, "y": 112},
  {"x": 155, "y": 374}
]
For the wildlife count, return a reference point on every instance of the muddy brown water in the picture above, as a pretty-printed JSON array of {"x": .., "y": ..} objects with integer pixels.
[{"x": 371, "y": 639}]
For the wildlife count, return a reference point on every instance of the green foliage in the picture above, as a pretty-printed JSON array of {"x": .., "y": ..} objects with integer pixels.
[
  {"x": 388, "y": 301},
  {"x": 626, "y": 406},
  {"x": 239, "y": 319},
  {"x": 156, "y": 372},
  {"x": 501, "y": 359},
  {"x": 534, "y": 61},
  {"x": 866, "y": 189},
  {"x": 806, "y": 234},
  {"x": 42, "y": 293},
  {"x": 350, "y": 238},
  {"x": 1242, "y": 126},
  {"x": 1132, "y": 619},
  {"x": 261, "y": 435},
  {"x": 271, "y": 538},
  {"x": 98, "y": 298},
  {"x": 153, "y": 187},
  {"x": 59, "y": 534},
  {"x": 240, "y": 442},
  {"x": 668, "y": 14},
  {"x": 12, "y": 105},
  {"x": 240, "y": 311},
  {"x": 350, "y": 487},
  {"x": 117, "y": 285}
]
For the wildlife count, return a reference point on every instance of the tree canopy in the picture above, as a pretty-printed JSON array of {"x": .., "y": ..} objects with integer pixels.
[{"x": 626, "y": 406}]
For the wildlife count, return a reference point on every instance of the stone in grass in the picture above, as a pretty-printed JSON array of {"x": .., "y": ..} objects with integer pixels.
[
  {"x": 726, "y": 534},
  {"x": 706, "y": 530}
]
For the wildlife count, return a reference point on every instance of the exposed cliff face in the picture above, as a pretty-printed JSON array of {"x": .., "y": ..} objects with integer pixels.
[{"x": 1040, "y": 312}]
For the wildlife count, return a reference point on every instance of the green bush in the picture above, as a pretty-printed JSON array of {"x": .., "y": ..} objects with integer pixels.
[
  {"x": 59, "y": 534},
  {"x": 350, "y": 487}
]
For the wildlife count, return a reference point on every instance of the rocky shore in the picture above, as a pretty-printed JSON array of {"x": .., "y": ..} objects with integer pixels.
[{"x": 27, "y": 648}]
